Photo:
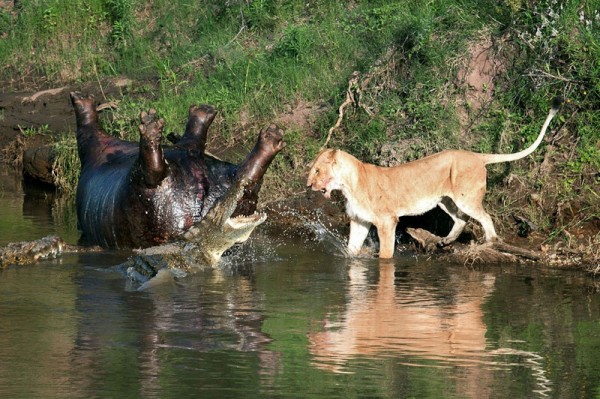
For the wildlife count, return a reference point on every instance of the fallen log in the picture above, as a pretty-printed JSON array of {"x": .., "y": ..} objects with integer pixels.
[
  {"x": 487, "y": 253},
  {"x": 517, "y": 251}
]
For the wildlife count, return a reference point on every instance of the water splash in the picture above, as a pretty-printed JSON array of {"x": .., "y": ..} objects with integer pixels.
[
  {"x": 257, "y": 249},
  {"x": 316, "y": 230}
]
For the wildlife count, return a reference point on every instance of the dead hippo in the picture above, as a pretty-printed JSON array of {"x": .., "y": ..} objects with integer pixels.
[{"x": 137, "y": 195}]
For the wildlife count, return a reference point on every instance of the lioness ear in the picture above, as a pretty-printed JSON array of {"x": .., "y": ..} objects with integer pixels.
[
  {"x": 333, "y": 157},
  {"x": 314, "y": 162}
]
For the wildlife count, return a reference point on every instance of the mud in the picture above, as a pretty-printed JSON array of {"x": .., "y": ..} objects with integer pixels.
[{"x": 48, "y": 111}]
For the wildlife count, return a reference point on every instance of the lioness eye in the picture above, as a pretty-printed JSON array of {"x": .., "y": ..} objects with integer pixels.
[{"x": 316, "y": 171}]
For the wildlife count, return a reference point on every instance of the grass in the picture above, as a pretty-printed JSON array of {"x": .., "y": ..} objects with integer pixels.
[{"x": 254, "y": 59}]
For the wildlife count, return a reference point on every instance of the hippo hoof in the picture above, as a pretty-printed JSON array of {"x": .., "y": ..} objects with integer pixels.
[
  {"x": 151, "y": 127},
  {"x": 83, "y": 105},
  {"x": 77, "y": 96},
  {"x": 271, "y": 139},
  {"x": 203, "y": 113},
  {"x": 148, "y": 117}
]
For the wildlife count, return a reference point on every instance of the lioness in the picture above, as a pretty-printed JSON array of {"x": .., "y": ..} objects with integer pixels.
[{"x": 454, "y": 180}]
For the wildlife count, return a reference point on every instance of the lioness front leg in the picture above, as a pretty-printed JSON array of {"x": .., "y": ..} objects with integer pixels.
[
  {"x": 387, "y": 238},
  {"x": 358, "y": 232}
]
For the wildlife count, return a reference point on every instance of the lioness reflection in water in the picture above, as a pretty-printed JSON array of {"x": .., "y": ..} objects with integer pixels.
[{"x": 410, "y": 321}]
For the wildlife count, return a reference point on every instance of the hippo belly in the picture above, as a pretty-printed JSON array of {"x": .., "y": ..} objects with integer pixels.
[
  {"x": 115, "y": 212},
  {"x": 99, "y": 202}
]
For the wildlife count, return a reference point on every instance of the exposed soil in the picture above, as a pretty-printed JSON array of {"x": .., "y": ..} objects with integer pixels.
[
  {"x": 477, "y": 78},
  {"x": 48, "y": 110}
]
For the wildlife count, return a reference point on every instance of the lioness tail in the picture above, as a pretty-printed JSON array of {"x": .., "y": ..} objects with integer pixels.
[{"x": 496, "y": 158}]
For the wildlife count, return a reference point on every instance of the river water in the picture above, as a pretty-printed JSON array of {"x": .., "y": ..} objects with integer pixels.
[{"x": 287, "y": 318}]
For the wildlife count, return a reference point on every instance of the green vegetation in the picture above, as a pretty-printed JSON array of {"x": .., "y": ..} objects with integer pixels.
[
  {"x": 256, "y": 60},
  {"x": 29, "y": 132}
]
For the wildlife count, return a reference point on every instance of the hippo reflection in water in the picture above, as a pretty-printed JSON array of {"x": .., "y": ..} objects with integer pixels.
[{"x": 133, "y": 195}]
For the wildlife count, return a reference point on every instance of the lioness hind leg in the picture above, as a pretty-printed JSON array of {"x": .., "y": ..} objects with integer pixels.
[
  {"x": 478, "y": 213},
  {"x": 459, "y": 218}
]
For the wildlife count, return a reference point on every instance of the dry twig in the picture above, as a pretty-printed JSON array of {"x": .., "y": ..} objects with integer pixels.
[
  {"x": 35, "y": 96},
  {"x": 350, "y": 99},
  {"x": 355, "y": 88}
]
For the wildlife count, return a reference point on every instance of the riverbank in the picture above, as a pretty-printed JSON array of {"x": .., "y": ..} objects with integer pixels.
[
  {"x": 387, "y": 81},
  {"x": 572, "y": 242}
]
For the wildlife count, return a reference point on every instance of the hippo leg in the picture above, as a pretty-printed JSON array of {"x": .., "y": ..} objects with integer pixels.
[
  {"x": 93, "y": 143},
  {"x": 173, "y": 137},
  {"x": 152, "y": 161},
  {"x": 200, "y": 118},
  {"x": 269, "y": 143},
  {"x": 85, "y": 109}
]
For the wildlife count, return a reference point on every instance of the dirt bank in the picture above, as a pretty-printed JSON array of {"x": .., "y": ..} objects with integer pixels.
[{"x": 48, "y": 112}]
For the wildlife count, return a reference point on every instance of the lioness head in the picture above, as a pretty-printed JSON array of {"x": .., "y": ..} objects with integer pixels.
[{"x": 322, "y": 175}]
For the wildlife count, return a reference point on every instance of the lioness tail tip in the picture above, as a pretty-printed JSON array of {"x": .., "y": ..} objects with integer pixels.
[{"x": 557, "y": 102}]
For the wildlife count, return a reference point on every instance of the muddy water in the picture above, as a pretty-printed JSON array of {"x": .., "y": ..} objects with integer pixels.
[{"x": 288, "y": 318}]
